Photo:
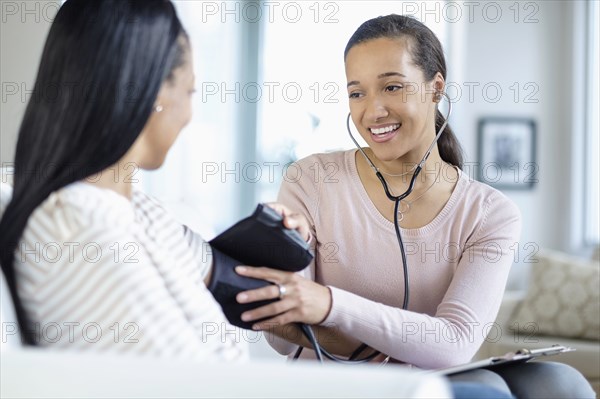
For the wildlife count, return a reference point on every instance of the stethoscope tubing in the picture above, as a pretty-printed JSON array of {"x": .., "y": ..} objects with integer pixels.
[
  {"x": 419, "y": 166},
  {"x": 320, "y": 352}
]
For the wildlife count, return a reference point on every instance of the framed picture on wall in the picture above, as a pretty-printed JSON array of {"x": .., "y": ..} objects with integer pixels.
[{"x": 507, "y": 153}]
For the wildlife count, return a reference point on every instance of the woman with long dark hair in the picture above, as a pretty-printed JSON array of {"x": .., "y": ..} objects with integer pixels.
[
  {"x": 91, "y": 262},
  {"x": 456, "y": 232}
]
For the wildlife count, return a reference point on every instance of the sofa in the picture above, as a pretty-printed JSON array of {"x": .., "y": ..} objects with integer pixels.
[
  {"x": 37, "y": 372},
  {"x": 559, "y": 306}
]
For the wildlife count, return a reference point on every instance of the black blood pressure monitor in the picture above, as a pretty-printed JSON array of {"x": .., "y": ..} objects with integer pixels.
[
  {"x": 262, "y": 240},
  {"x": 258, "y": 240}
]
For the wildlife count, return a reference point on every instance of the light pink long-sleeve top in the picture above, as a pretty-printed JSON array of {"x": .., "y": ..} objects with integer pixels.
[{"x": 458, "y": 263}]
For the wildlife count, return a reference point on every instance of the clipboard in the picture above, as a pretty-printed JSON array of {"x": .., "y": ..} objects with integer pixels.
[{"x": 522, "y": 355}]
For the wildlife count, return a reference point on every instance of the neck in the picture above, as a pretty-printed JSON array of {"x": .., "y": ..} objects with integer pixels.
[
  {"x": 116, "y": 177},
  {"x": 429, "y": 175},
  {"x": 405, "y": 166}
]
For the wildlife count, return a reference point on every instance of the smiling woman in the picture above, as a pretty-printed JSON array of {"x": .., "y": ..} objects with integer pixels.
[{"x": 458, "y": 231}]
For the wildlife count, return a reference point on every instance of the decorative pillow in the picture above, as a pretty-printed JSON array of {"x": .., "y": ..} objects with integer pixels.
[
  {"x": 563, "y": 298},
  {"x": 596, "y": 255}
]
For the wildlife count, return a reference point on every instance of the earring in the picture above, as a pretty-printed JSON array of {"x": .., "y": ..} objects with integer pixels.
[
  {"x": 438, "y": 96},
  {"x": 158, "y": 108}
]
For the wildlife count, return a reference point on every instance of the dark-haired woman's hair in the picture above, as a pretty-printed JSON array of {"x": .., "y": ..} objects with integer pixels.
[
  {"x": 427, "y": 54},
  {"x": 101, "y": 69}
]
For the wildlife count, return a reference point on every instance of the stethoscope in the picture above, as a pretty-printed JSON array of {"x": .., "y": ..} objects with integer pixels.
[
  {"x": 396, "y": 199},
  {"x": 417, "y": 170}
]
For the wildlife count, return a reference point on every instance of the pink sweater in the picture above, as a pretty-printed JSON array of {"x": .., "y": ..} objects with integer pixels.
[{"x": 458, "y": 263}]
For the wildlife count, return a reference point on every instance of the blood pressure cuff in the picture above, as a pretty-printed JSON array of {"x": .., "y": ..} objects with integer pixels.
[
  {"x": 262, "y": 240},
  {"x": 225, "y": 284},
  {"x": 258, "y": 240}
]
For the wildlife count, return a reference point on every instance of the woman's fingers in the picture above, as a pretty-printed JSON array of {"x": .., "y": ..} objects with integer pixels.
[
  {"x": 260, "y": 294},
  {"x": 279, "y": 208},
  {"x": 298, "y": 222},
  {"x": 275, "y": 308},
  {"x": 302, "y": 300},
  {"x": 263, "y": 273},
  {"x": 277, "y": 277},
  {"x": 292, "y": 220}
]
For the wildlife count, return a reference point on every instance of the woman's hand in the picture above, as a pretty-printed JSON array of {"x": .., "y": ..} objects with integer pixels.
[
  {"x": 304, "y": 300},
  {"x": 292, "y": 220}
]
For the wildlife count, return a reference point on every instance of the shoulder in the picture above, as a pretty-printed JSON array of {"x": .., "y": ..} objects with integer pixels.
[
  {"x": 140, "y": 199},
  {"x": 304, "y": 180},
  {"x": 488, "y": 198},
  {"x": 490, "y": 209},
  {"x": 320, "y": 167},
  {"x": 148, "y": 208},
  {"x": 80, "y": 208},
  {"x": 76, "y": 225},
  {"x": 311, "y": 172},
  {"x": 324, "y": 158}
]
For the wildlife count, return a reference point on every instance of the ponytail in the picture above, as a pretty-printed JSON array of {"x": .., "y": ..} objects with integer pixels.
[{"x": 448, "y": 145}]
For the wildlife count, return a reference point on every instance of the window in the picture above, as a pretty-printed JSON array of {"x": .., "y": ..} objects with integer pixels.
[
  {"x": 592, "y": 129},
  {"x": 270, "y": 89},
  {"x": 198, "y": 181},
  {"x": 303, "y": 64}
]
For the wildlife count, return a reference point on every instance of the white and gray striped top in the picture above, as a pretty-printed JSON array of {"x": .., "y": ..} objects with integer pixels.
[{"x": 97, "y": 272}]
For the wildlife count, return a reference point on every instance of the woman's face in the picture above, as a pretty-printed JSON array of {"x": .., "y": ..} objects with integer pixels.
[
  {"x": 391, "y": 104},
  {"x": 163, "y": 127}
]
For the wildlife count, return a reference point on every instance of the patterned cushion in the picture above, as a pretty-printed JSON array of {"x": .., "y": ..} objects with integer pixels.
[{"x": 563, "y": 298}]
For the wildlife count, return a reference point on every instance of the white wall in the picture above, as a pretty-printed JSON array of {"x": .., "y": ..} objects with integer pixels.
[
  {"x": 539, "y": 54},
  {"x": 23, "y": 30}
]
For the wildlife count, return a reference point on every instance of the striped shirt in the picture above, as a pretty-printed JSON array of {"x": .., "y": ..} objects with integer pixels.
[{"x": 98, "y": 272}]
